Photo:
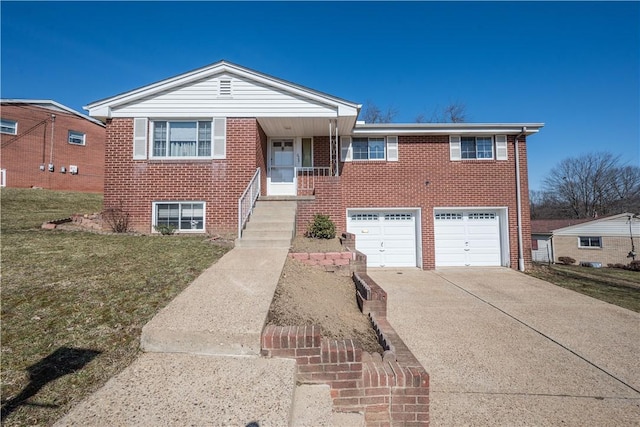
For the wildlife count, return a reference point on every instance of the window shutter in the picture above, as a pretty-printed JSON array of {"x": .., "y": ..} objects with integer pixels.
[
  {"x": 219, "y": 138},
  {"x": 501, "y": 147},
  {"x": 455, "y": 149},
  {"x": 392, "y": 148},
  {"x": 346, "y": 152},
  {"x": 140, "y": 139}
]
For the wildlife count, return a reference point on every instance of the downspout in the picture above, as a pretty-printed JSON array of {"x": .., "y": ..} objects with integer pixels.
[{"x": 519, "y": 202}]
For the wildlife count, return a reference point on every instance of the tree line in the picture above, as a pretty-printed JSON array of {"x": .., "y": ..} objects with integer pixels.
[{"x": 589, "y": 186}]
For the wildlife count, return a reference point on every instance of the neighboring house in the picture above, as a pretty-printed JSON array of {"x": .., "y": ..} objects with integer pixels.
[
  {"x": 541, "y": 232},
  {"x": 48, "y": 145},
  {"x": 185, "y": 149},
  {"x": 605, "y": 240}
]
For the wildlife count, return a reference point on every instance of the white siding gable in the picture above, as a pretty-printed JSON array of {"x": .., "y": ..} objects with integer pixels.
[
  {"x": 615, "y": 226},
  {"x": 237, "y": 97}
]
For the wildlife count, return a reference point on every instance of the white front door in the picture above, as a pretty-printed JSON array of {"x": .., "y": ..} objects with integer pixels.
[{"x": 281, "y": 179}]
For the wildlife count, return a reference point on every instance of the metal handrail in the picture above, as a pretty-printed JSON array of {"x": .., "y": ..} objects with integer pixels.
[
  {"x": 306, "y": 176},
  {"x": 247, "y": 201}
]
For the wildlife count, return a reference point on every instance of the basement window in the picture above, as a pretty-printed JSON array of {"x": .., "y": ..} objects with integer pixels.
[{"x": 182, "y": 216}]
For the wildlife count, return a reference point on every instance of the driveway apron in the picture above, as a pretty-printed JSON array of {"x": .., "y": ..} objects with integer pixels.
[{"x": 506, "y": 349}]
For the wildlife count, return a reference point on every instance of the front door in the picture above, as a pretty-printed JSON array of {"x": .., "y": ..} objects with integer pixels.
[{"x": 281, "y": 175}]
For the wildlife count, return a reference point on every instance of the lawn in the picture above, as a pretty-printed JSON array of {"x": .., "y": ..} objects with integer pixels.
[
  {"x": 74, "y": 303},
  {"x": 612, "y": 285}
]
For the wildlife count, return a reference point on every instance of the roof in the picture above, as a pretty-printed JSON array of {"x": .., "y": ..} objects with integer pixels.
[
  {"x": 549, "y": 226},
  {"x": 51, "y": 105},
  {"x": 209, "y": 70},
  {"x": 546, "y": 226}
]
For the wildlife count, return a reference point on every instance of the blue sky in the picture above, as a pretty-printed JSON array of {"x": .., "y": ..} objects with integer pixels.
[{"x": 573, "y": 65}]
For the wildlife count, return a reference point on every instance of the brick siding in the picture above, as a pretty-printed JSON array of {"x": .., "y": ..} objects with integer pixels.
[
  {"x": 376, "y": 184},
  {"x": 614, "y": 250},
  {"x": 24, "y": 153},
  {"x": 134, "y": 185}
]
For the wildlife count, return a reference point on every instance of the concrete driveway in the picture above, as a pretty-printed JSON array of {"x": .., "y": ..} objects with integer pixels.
[{"x": 505, "y": 349}]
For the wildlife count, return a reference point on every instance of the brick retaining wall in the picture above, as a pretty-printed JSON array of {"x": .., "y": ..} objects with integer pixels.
[{"x": 390, "y": 389}]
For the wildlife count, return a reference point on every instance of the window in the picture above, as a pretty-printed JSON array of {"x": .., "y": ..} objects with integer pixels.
[
  {"x": 76, "y": 138},
  {"x": 8, "y": 126},
  {"x": 307, "y": 152},
  {"x": 182, "y": 139},
  {"x": 183, "y": 216},
  {"x": 368, "y": 148},
  {"x": 476, "y": 147},
  {"x": 589, "y": 242},
  {"x": 482, "y": 216},
  {"x": 364, "y": 217},
  {"x": 448, "y": 216}
]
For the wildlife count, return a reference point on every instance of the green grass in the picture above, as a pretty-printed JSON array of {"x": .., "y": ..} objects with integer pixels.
[
  {"x": 612, "y": 285},
  {"x": 80, "y": 298}
]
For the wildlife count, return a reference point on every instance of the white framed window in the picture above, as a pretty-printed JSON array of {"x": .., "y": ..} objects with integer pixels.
[
  {"x": 449, "y": 216},
  {"x": 76, "y": 138},
  {"x": 364, "y": 217},
  {"x": 589, "y": 242},
  {"x": 368, "y": 148},
  {"x": 182, "y": 216},
  {"x": 8, "y": 126},
  {"x": 190, "y": 139},
  {"x": 478, "y": 147}
]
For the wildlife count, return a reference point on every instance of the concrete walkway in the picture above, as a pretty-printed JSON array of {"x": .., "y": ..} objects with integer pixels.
[
  {"x": 202, "y": 365},
  {"x": 506, "y": 349}
]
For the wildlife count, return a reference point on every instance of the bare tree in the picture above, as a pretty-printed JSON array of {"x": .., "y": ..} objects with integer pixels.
[
  {"x": 593, "y": 185},
  {"x": 373, "y": 114},
  {"x": 451, "y": 113}
]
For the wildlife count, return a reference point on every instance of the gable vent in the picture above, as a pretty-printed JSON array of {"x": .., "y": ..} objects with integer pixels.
[{"x": 225, "y": 88}]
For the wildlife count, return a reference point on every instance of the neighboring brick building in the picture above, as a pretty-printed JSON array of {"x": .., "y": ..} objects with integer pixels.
[
  {"x": 48, "y": 145},
  {"x": 183, "y": 150}
]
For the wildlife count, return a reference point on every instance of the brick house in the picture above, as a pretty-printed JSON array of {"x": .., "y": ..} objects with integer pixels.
[
  {"x": 607, "y": 240},
  {"x": 185, "y": 149},
  {"x": 48, "y": 145}
]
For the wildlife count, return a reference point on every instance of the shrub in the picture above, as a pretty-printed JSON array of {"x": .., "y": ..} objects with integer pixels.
[
  {"x": 165, "y": 229},
  {"x": 566, "y": 260},
  {"x": 633, "y": 266},
  {"x": 117, "y": 219},
  {"x": 321, "y": 228}
]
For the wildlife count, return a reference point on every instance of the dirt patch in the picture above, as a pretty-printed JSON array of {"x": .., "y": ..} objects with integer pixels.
[
  {"x": 305, "y": 244},
  {"x": 309, "y": 296}
]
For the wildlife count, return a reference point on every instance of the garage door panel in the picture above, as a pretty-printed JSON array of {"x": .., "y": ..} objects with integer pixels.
[
  {"x": 387, "y": 238},
  {"x": 467, "y": 239}
]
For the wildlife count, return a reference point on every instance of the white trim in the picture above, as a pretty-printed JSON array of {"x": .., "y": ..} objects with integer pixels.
[
  {"x": 446, "y": 128},
  {"x": 215, "y": 139},
  {"x": 59, "y": 107},
  {"x": 3, "y": 177},
  {"x": 154, "y": 215}
]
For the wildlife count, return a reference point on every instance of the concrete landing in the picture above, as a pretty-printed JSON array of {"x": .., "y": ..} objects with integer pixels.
[
  {"x": 312, "y": 407},
  {"x": 223, "y": 311},
  {"x": 192, "y": 390}
]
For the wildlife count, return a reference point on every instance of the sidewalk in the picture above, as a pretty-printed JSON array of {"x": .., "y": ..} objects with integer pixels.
[{"x": 202, "y": 365}]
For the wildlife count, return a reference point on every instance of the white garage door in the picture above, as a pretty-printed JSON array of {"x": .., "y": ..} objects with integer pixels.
[
  {"x": 467, "y": 238},
  {"x": 388, "y": 239}
]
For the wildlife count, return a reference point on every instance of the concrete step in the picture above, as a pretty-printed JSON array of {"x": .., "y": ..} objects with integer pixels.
[
  {"x": 263, "y": 243},
  {"x": 312, "y": 407},
  {"x": 251, "y": 234},
  {"x": 171, "y": 389},
  {"x": 271, "y": 224}
]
